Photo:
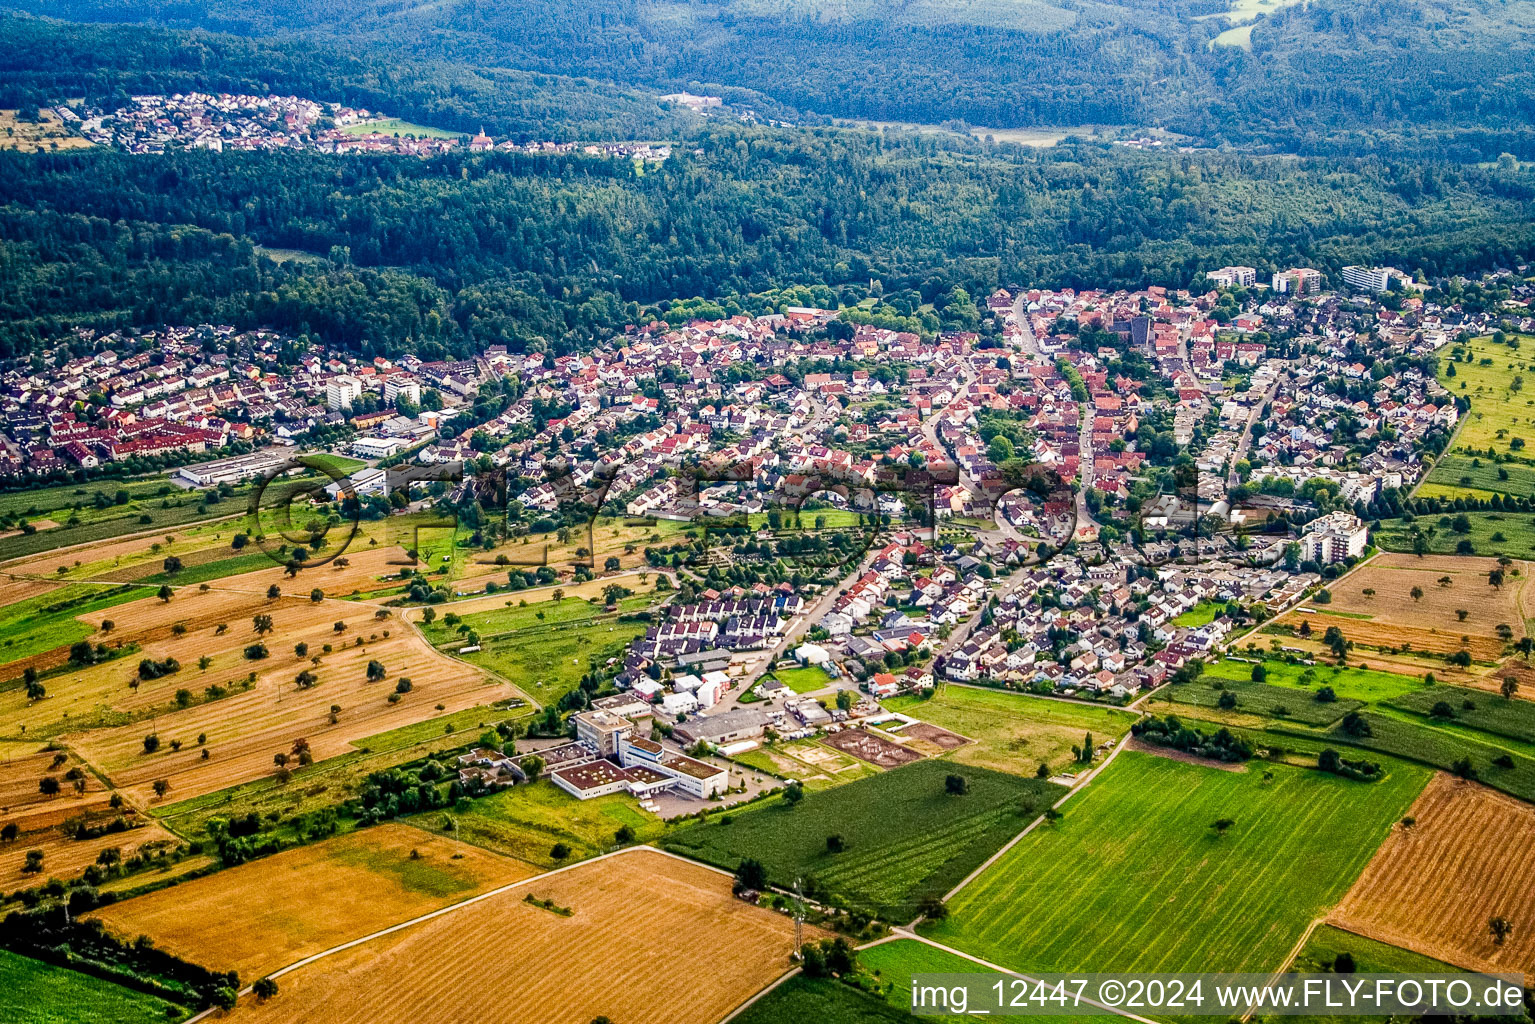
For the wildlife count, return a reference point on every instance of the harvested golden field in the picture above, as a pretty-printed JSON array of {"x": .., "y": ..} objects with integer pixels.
[
  {"x": 1434, "y": 887},
  {"x": 1386, "y": 635},
  {"x": 638, "y": 921},
  {"x": 247, "y": 728},
  {"x": 19, "y": 589},
  {"x": 66, "y": 857},
  {"x": 1405, "y": 663},
  {"x": 1448, "y": 584},
  {"x": 536, "y": 595},
  {"x": 21, "y": 772},
  {"x": 272, "y": 912},
  {"x": 256, "y": 708},
  {"x": 40, "y": 819}
]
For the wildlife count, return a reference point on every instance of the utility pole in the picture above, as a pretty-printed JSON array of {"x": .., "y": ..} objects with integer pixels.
[{"x": 799, "y": 917}]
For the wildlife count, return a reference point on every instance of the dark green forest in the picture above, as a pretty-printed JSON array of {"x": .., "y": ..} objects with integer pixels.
[
  {"x": 47, "y": 61},
  {"x": 451, "y": 254},
  {"x": 1440, "y": 78}
]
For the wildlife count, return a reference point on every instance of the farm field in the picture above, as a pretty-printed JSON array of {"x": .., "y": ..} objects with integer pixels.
[
  {"x": 42, "y": 820},
  {"x": 1349, "y": 682},
  {"x": 1203, "y": 900},
  {"x": 543, "y": 644},
  {"x": 527, "y": 821},
  {"x": 1392, "y": 621},
  {"x": 1476, "y": 476},
  {"x": 176, "y": 512},
  {"x": 890, "y": 965},
  {"x": 1490, "y": 534},
  {"x": 898, "y": 960},
  {"x": 1500, "y": 411},
  {"x": 32, "y": 992},
  {"x": 549, "y": 662},
  {"x": 1014, "y": 732},
  {"x": 1433, "y": 887},
  {"x": 1370, "y": 957},
  {"x": 44, "y": 619},
  {"x": 1252, "y": 698},
  {"x": 1443, "y": 746},
  {"x": 560, "y": 969},
  {"x": 395, "y": 126},
  {"x": 824, "y": 1001},
  {"x": 590, "y": 544},
  {"x": 245, "y": 711},
  {"x": 270, "y": 912},
  {"x": 1449, "y": 583},
  {"x": 1512, "y": 718},
  {"x": 335, "y": 779},
  {"x": 906, "y": 839},
  {"x": 46, "y": 134}
]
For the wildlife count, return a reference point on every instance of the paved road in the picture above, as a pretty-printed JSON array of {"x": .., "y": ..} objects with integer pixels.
[
  {"x": 1021, "y": 317},
  {"x": 1232, "y": 479},
  {"x": 1085, "y": 454}
]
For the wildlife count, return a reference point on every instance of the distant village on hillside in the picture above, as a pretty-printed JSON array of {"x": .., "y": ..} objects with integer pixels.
[{"x": 219, "y": 122}]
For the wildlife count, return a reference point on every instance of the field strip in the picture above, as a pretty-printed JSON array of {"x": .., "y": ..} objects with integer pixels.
[
  {"x": 1300, "y": 944},
  {"x": 153, "y": 531},
  {"x": 458, "y": 906},
  {"x": 1090, "y": 776},
  {"x": 904, "y": 934},
  {"x": 1035, "y": 696},
  {"x": 781, "y": 979}
]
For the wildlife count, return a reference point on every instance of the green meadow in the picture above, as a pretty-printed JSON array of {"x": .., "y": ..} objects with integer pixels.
[{"x": 1135, "y": 877}]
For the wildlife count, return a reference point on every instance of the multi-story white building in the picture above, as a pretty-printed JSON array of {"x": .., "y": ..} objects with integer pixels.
[
  {"x": 1333, "y": 538},
  {"x": 1298, "y": 281},
  {"x": 1240, "y": 277},
  {"x": 341, "y": 391},
  {"x": 394, "y": 387},
  {"x": 1374, "y": 279},
  {"x": 604, "y": 730}
]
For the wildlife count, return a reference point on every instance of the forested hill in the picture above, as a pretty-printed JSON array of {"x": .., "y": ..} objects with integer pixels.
[
  {"x": 45, "y": 61},
  {"x": 1439, "y": 78},
  {"x": 463, "y": 251}
]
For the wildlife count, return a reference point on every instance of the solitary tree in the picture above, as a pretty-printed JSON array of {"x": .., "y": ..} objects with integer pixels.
[
  {"x": 1510, "y": 687},
  {"x": 161, "y": 787},
  {"x": 1416, "y": 593},
  {"x": 750, "y": 874},
  {"x": 264, "y": 989},
  {"x": 1221, "y": 825},
  {"x": 1501, "y": 928},
  {"x": 164, "y": 593}
]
